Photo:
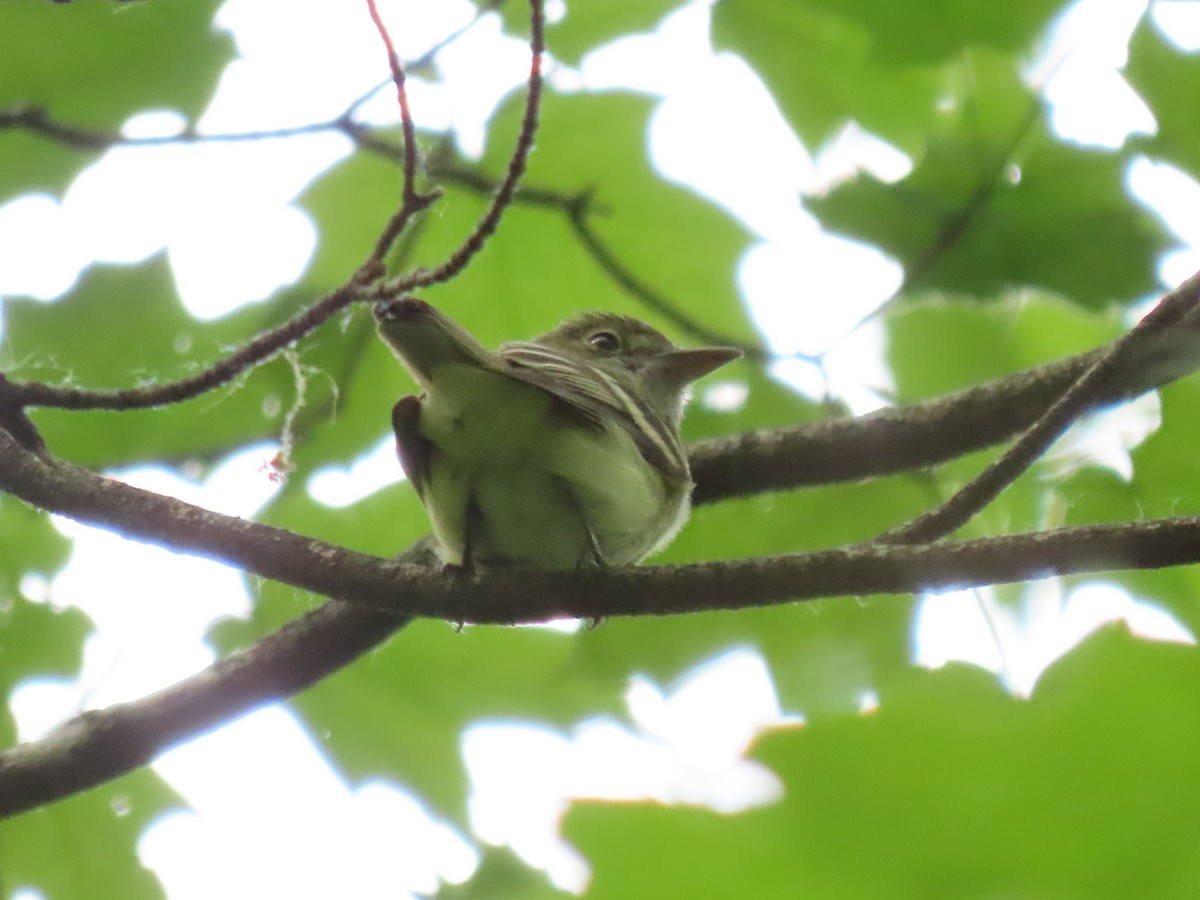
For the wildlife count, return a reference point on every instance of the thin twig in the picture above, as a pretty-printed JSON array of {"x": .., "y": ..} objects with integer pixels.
[
  {"x": 14, "y": 420},
  {"x": 411, "y": 202},
  {"x": 419, "y": 62},
  {"x": 36, "y": 120},
  {"x": 578, "y": 210},
  {"x": 986, "y": 486},
  {"x": 264, "y": 346},
  {"x": 578, "y": 216},
  {"x": 251, "y": 354},
  {"x": 504, "y": 195},
  {"x": 953, "y": 229}
]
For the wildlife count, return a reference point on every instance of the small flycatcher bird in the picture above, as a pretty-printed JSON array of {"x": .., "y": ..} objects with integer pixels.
[{"x": 558, "y": 453}]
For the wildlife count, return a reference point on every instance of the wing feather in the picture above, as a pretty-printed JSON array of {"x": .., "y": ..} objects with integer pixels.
[
  {"x": 413, "y": 448},
  {"x": 598, "y": 397}
]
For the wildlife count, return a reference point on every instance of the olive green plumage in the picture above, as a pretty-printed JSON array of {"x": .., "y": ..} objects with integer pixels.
[{"x": 559, "y": 452}]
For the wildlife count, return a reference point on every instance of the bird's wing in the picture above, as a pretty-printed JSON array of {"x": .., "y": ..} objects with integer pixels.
[
  {"x": 597, "y": 397},
  {"x": 413, "y": 448}
]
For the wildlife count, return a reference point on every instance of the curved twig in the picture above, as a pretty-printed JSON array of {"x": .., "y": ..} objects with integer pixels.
[
  {"x": 952, "y": 230},
  {"x": 466, "y": 251},
  {"x": 1079, "y": 397},
  {"x": 578, "y": 209},
  {"x": 362, "y": 286},
  {"x": 253, "y": 353},
  {"x": 411, "y": 202},
  {"x": 577, "y": 215}
]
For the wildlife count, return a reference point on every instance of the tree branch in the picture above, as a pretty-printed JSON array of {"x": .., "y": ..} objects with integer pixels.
[
  {"x": 1122, "y": 356},
  {"x": 254, "y": 352},
  {"x": 367, "y": 282},
  {"x": 512, "y": 597},
  {"x": 503, "y": 197},
  {"x": 100, "y": 745},
  {"x": 96, "y": 746},
  {"x": 921, "y": 435}
]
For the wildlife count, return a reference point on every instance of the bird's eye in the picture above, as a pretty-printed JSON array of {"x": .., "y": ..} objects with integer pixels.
[{"x": 605, "y": 341}]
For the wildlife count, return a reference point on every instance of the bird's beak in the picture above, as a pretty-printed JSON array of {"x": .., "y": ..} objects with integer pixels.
[{"x": 679, "y": 368}]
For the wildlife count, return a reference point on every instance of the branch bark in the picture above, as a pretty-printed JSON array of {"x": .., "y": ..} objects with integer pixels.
[
  {"x": 97, "y": 746},
  {"x": 401, "y": 588},
  {"x": 375, "y": 595},
  {"x": 379, "y": 594},
  {"x": 921, "y": 435}
]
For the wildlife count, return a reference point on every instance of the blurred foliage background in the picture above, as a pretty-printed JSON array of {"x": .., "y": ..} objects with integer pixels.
[{"x": 1018, "y": 247}]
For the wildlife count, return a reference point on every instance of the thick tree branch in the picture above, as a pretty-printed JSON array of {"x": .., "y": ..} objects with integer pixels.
[
  {"x": 525, "y": 596},
  {"x": 934, "y": 431},
  {"x": 100, "y": 745},
  {"x": 96, "y": 746},
  {"x": 890, "y": 441}
]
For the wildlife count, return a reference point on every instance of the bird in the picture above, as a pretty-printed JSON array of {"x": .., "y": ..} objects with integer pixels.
[{"x": 560, "y": 452}]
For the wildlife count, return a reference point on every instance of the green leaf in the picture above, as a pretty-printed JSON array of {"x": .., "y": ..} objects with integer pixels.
[
  {"x": 995, "y": 203},
  {"x": 93, "y": 65},
  {"x": 1165, "y": 485},
  {"x": 36, "y": 641},
  {"x": 110, "y": 59},
  {"x": 85, "y": 846},
  {"x": 933, "y": 344},
  {"x": 1169, "y": 81},
  {"x": 501, "y": 876},
  {"x": 824, "y": 70},
  {"x": 768, "y": 404},
  {"x": 889, "y": 66},
  {"x": 904, "y": 33},
  {"x": 123, "y": 327},
  {"x": 31, "y": 545},
  {"x": 350, "y": 203},
  {"x": 1166, "y": 462},
  {"x": 399, "y": 712},
  {"x": 950, "y": 789},
  {"x": 587, "y": 24}
]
